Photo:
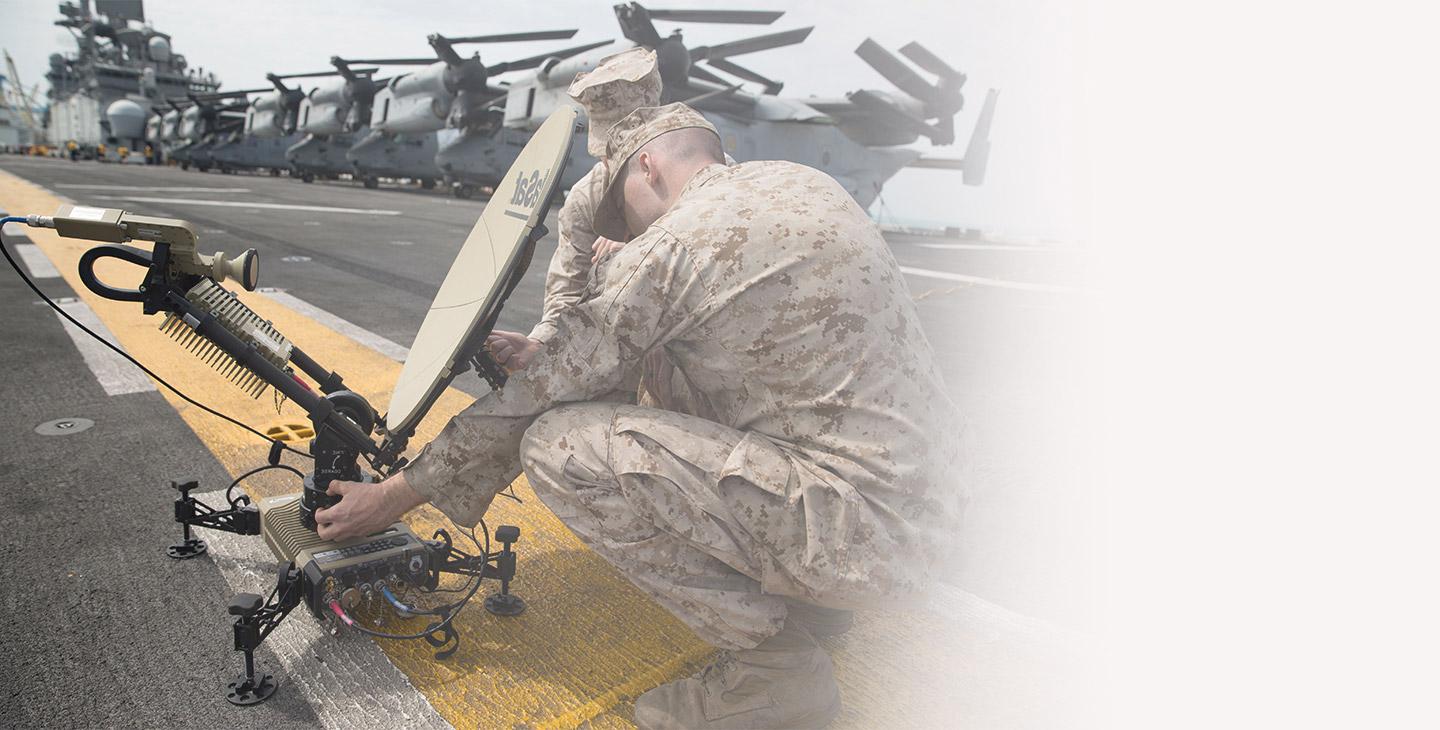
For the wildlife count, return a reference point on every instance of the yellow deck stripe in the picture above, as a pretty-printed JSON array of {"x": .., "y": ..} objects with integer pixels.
[{"x": 590, "y": 642}]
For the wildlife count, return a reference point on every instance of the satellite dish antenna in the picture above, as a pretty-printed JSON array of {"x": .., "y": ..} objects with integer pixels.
[{"x": 489, "y": 265}]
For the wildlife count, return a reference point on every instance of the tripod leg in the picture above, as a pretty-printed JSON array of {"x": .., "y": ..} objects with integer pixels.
[
  {"x": 254, "y": 620},
  {"x": 189, "y": 545},
  {"x": 248, "y": 689},
  {"x": 505, "y": 603}
]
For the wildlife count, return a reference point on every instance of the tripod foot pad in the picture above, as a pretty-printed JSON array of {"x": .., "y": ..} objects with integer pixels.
[
  {"x": 504, "y": 604},
  {"x": 187, "y": 549},
  {"x": 244, "y": 691}
]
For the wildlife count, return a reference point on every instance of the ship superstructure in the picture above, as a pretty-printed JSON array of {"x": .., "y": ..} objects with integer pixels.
[{"x": 102, "y": 95}]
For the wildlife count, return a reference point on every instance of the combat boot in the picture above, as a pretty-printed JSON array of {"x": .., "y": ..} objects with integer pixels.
[
  {"x": 819, "y": 620},
  {"x": 785, "y": 682}
]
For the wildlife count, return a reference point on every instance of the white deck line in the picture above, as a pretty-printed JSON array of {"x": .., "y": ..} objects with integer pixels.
[
  {"x": 261, "y": 206},
  {"x": 150, "y": 189},
  {"x": 991, "y": 247},
  {"x": 385, "y": 347},
  {"x": 115, "y": 374},
  {"x": 348, "y": 681},
  {"x": 36, "y": 261},
  {"x": 982, "y": 281}
]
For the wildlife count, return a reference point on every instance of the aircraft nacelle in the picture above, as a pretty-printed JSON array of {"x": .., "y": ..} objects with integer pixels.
[
  {"x": 559, "y": 73},
  {"x": 528, "y": 107},
  {"x": 192, "y": 124},
  {"x": 330, "y": 91},
  {"x": 530, "y": 101},
  {"x": 417, "y": 102},
  {"x": 322, "y": 118},
  {"x": 170, "y": 124},
  {"x": 152, "y": 127},
  {"x": 881, "y": 131},
  {"x": 266, "y": 116}
]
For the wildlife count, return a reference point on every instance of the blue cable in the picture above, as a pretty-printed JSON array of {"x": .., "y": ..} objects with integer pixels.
[{"x": 402, "y": 608}]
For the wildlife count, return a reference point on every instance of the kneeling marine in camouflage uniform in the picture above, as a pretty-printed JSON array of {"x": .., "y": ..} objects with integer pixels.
[{"x": 824, "y": 473}]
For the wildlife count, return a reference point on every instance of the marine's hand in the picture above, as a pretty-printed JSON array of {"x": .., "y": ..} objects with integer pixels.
[
  {"x": 512, "y": 350},
  {"x": 602, "y": 247},
  {"x": 365, "y": 509}
]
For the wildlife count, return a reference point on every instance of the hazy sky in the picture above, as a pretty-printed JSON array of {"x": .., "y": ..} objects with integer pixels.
[{"x": 1025, "y": 48}]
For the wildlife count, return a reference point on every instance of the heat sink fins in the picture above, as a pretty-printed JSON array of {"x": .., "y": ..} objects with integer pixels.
[
  {"x": 283, "y": 530},
  {"x": 239, "y": 320}
]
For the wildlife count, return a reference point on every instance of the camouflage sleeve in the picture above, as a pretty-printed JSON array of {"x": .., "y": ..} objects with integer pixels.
[
  {"x": 570, "y": 266},
  {"x": 655, "y": 296}
]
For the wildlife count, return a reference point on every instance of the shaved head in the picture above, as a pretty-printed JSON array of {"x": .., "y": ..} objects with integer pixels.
[
  {"x": 688, "y": 144},
  {"x": 655, "y": 174}
]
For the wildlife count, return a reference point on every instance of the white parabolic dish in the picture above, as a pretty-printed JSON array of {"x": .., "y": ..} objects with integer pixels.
[{"x": 476, "y": 285}]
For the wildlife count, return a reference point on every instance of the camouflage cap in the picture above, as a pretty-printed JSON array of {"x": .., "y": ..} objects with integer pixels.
[
  {"x": 620, "y": 84},
  {"x": 627, "y": 136}
]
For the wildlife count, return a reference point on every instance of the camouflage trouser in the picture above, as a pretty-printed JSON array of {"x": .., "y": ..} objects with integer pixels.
[{"x": 672, "y": 501}]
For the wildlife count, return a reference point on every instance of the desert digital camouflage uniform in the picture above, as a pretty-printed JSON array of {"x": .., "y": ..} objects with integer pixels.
[
  {"x": 828, "y": 469},
  {"x": 570, "y": 266},
  {"x": 619, "y": 84}
]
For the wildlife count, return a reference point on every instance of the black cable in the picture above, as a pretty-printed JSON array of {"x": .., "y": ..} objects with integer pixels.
[
  {"x": 453, "y": 608},
  {"x": 126, "y": 355},
  {"x": 255, "y": 471}
]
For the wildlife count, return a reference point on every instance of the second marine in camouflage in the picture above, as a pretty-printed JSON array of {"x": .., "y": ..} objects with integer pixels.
[{"x": 621, "y": 84}]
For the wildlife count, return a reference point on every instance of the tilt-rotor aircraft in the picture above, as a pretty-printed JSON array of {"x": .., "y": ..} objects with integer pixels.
[
  {"x": 334, "y": 116},
  {"x": 407, "y": 111}
]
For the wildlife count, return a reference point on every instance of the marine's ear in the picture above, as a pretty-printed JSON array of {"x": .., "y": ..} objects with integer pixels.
[{"x": 645, "y": 165}]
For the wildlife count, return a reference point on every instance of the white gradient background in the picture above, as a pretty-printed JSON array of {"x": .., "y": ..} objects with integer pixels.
[{"x": 1264, "y": 192}]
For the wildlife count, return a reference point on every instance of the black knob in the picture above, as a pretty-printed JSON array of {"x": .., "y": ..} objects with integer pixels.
[
  {"x": 184, "y": 487},
  {"x": 245, "y": 604},
  {"x": 507, "y": 534}
]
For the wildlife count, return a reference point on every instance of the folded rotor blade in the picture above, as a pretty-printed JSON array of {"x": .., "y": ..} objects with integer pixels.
[
  {"x": 538, "y": 35},
  {"x": 739, "y": 17},
  {"x": 394, "y": 61},
  {"x": 635, "y": 24},
  {"x": 751, "y": 45},
  {"x": 237, "y": 92},
  {"x": 922, "y": 57},
  {"x": 701, "y": 73},
  {"x": 895, "y": 71},
  {"x": 316, "y": 74},
  {"x": 320, "y": 74},
  {"x": 772, "y": 86},
  {"x": 713, "y": 94},
  {"x": 536, "y": 60}
]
